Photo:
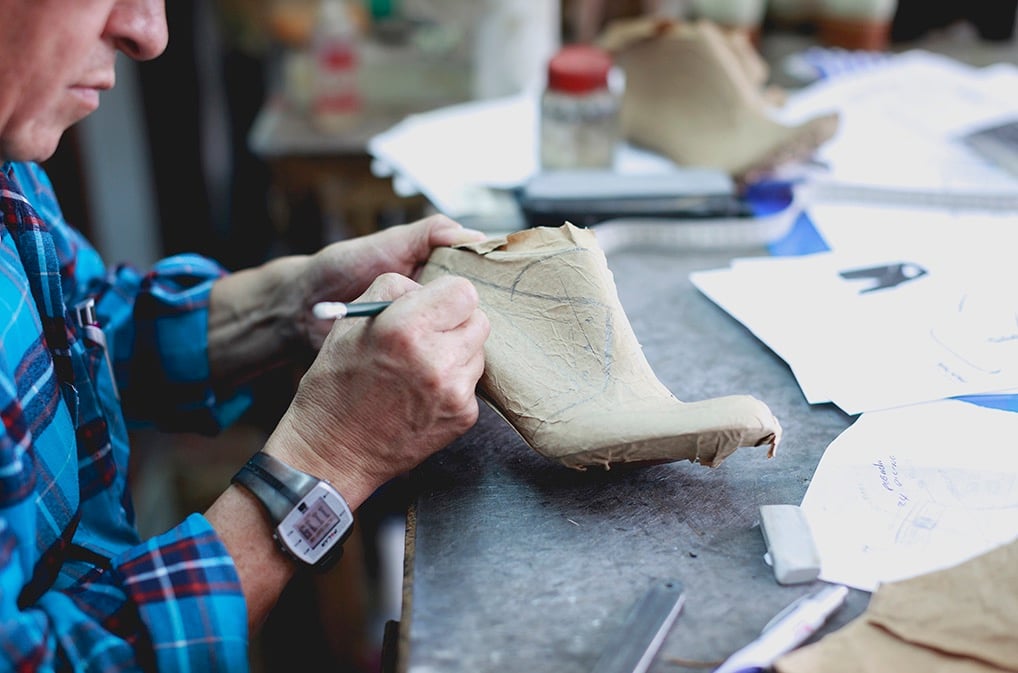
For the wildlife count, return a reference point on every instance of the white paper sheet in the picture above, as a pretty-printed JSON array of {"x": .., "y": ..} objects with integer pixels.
[
  {"x": 950, "y": 330},
  {"x": 911, "y": 490},
  {"x": 900, "y": 130},
  {"x": 784, "y": 326},
  {"x": 861, "y": 228}
]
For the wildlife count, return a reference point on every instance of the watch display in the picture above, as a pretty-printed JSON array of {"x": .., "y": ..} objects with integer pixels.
[
  {"x": 318, "y": 520},
  {"x": 316, "y": 525}
]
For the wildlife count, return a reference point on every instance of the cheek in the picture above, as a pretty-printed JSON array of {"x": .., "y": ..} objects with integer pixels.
[{"x": 37, "y": 103}]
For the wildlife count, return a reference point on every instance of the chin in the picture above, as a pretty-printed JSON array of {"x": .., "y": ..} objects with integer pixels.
[
  {"x": 32, "y": 142},
  {"x": 41, "y": 148}
]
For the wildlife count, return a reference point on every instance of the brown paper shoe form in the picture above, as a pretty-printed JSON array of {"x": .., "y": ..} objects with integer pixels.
[
  {"x": 695, "y": 95},
  {"x": 564, "y": 368}
]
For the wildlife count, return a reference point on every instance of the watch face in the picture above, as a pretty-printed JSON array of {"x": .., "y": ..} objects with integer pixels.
[
  {"x": 318, "y": 524},
  {"x": 318, "y": 519}
]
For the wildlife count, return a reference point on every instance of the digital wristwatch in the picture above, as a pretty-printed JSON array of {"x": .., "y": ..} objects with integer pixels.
[{"x": 311, "y": 519}]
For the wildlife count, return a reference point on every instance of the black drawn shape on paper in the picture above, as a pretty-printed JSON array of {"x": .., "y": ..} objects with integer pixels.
[{"x": 884, "y": 276}]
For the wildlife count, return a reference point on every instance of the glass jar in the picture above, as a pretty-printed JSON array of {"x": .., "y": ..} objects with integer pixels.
[{"x": 579, "y": 111}]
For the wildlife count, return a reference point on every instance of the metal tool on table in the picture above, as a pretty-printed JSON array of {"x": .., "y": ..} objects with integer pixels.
[{"x": 636, "y": 643}]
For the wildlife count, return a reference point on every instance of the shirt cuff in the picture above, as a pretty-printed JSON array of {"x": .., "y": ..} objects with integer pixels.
[{"x": 188, "y": 594}]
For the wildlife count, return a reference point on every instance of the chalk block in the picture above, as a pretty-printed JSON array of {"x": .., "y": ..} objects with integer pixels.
[{"x": 790, "y": 548}]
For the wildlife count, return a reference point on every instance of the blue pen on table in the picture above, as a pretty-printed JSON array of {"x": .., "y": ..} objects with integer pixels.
[
  {"x": 334, "y": 310},
  {"x": 789, "y": 629}
]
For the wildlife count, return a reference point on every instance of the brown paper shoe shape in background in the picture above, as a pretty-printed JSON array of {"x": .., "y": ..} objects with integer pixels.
[
  {"x": 564, "y": 368},
  {"x": 695, "y": 95}
]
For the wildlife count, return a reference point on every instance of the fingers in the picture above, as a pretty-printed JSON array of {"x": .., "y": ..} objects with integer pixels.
[
  {"x": 461, "y": 329},
  {"x": 345, "y": 269},
  {"x": 389, "y": 287},
  {"x": 422, "y": 236},
  {"x": 443, "y": 325},
  {"x": 444, "y": 304},
  {"x": 386, "y": 392},
  {"x": 472, "y": 357},
  {"x": 445, "y": 231},
  {"x": 447, "y": 310}
]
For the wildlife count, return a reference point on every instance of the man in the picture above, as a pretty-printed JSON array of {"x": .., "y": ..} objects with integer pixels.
[{"x": 78, "y": 589}]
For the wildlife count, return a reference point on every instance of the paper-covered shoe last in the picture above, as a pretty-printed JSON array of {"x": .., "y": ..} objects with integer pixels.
[
  {"x": 695, "y": 93},
  {"x": 564, "y": 368}
]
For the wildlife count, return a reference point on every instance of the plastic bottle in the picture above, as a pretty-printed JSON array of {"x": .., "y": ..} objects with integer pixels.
[{"x": 335, "y": 96}]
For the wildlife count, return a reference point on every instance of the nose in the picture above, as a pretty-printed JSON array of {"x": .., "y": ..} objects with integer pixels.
[{"x": 138, "y": 28}]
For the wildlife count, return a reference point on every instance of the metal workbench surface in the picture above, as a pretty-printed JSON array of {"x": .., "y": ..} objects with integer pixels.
[{"x": 515, "y": 563}]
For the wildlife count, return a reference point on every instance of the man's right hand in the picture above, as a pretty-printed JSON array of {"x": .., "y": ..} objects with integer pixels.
[{"x": 384, "y": 393}]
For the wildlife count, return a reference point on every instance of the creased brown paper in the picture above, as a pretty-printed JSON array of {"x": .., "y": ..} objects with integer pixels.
[
  {"x": 563, "y": 366},
  {"x": 958, "y": 620}
]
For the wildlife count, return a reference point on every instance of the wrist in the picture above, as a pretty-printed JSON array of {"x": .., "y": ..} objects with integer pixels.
[
  {"x": 287, "y": 443},
  {"x": 255, "y": 319},
  {"x": 264, "y": 569}
]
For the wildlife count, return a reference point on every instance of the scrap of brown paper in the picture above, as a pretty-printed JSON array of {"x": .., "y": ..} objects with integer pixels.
[
  {"x": 962, "y": 619},
  {"x": 564, "y": 368}
]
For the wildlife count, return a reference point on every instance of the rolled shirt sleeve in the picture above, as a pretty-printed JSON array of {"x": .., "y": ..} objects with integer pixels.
[
  {"x": 156, "y": 323},
  {"x": 188, "y": 595}
]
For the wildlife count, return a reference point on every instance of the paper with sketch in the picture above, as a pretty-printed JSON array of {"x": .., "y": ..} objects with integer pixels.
[
  {"x": 871, "y": 332},
  {"x": 861, "y": 229},
  {"x": 912, "y": 490},
  {"x": 901, "y": 125}
]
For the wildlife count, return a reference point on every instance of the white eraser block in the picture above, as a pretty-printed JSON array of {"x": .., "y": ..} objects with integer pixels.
[{"x": 793, "y": 556}]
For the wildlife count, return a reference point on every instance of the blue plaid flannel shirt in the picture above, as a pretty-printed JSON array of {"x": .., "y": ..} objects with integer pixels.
[{"x": 78, "y": 588}]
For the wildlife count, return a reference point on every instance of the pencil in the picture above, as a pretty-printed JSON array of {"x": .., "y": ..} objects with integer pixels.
[{"x": 334, "y": 310}]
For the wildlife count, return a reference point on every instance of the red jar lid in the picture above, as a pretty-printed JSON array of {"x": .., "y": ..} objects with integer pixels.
[{"x": 579, "y": 68}]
